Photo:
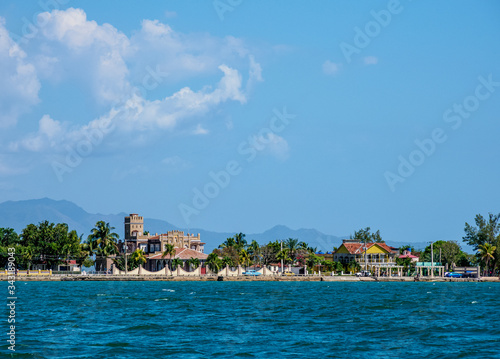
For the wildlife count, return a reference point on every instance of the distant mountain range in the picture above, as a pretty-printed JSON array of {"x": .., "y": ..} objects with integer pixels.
[{"x": 18, "y": 214}]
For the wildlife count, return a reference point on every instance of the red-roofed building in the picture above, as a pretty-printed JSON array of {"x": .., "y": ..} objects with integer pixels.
[
  {"x": 186, "y": 245},
  {"x": 375, "y": 253},
  {"x": 157, "y": 261},
  {"x": 407, "y": 254}
]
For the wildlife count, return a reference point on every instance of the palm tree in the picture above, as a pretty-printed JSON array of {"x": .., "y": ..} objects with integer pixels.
[
  {"x": 240, "y": 240},
  {"x": 228, "y": 243},
  {"x": 194, "y": 262},
  {"x": 169, "y": 251},
  {"x": 244, "y": 258},
  {"x": 254, "y": 250},
  {"x": 293, "y": 245},
  {"x": 283, "y": 254},
  {"x": 138, "y": 257},
  {"x": 105, "y": 240},
  {"x": 312, "y": 260},
  {"x": 177, "y": 262},
  {"x": 28, "y": 252},
  {"x": 214, "y": 263},
  {"x": 487, "y": 252},
  {"x": 227, "y": 262}
]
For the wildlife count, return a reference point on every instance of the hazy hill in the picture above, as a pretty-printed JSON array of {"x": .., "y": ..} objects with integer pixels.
[{"x": 18, "y": 214}]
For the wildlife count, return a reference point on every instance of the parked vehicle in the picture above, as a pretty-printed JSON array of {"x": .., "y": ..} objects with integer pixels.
[
  {"x": 453, "y": 275},
  {"x": 252, "y": 272},
  {"x": 363, "y": 274},
  {"x": 288, "y": 273}
]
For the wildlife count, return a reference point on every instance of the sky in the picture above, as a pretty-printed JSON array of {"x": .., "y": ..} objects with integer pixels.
[{"x": 237, "y": 115}]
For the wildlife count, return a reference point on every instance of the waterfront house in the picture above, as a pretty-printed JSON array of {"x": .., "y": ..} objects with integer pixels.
[
  {"x": 186, "y": 245},
  {"x": 375, "y": 253},
  {"x": 407, "y": 254}
]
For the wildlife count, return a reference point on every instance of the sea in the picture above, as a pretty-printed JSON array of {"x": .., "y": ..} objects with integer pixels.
[{"x": 254, "y": 320}]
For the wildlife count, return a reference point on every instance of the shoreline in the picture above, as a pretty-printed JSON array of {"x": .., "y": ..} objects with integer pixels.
[{"x": 149, "y": 278}]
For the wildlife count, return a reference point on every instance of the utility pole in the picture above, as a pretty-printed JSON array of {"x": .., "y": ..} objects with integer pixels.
[
  {"x": 366, "y": 264},
  {"x": 125, "y": 253},
  {"x": 282, "y": 257},
  {"x": 432, "y": 260}
]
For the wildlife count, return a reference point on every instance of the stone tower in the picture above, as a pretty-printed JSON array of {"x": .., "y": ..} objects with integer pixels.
[{"x": 134, "y": 226}]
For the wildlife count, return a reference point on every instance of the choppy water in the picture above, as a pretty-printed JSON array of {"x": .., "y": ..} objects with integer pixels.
[{"x": 256, "y": 320}]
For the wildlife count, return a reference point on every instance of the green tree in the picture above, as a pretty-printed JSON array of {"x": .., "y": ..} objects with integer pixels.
[
  {"x": 105, "y": 241},
  {"x": 214, "y": 263},
  {"x": 365, "y": 235},
  {"x": 244, "y": 258},
  {"x": 254, "y": 251},
  {"x": 283, "y": 255},
  {"x": 50, "y": 243},
  {"x": 228, "y": 243},
  {"x": 353, "y": 266},
  {"x": 177, "y": 262},
  {"x": 194, "y": 262},
  {"x": 487, "y": 231},
  {"x": 407, "y": 263},
  {"x": 170, "y": 252},
  {"x": 8, "y": 239},
  {"x": 138, "y": 257},
  {"x": 292, "y": 244},
  {"x": 227, "y": 262},
  {"x": 487, "y": 253},
  {"x": 312, "y": 261},
  {"x": 268, "y": 253},
  {"x": 240, "y": 240}
]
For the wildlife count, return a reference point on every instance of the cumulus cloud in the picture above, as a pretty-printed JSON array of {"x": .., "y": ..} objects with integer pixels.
[
  {"x": 19, "y": 84},
  {"x": 370, "y": 60},
  {"x": 136, "y": 115},
  {"x": 121, "y": 73},
  {"x": 95, "y": 53},
  {"x": 330, "y": 68}
]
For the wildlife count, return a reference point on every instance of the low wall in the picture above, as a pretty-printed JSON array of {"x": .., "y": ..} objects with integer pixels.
[{"x": 35, "y": 272}]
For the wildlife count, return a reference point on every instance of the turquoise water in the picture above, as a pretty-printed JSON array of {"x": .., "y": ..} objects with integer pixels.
[{"x": 256, "y": 320}]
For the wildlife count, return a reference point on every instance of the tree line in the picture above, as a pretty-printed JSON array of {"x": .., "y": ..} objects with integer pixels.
[{"x": 52, "y": 244}]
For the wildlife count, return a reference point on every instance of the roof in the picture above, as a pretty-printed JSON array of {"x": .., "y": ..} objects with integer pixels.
[
  {"x": 181, "y": 253},
  {"x": 407, "y": 256},
  {"x": 358, "y": 248}
]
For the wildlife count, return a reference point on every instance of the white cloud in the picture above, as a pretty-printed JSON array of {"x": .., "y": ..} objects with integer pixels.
[
  {"x": 272, "y": 144},
  {"x": 106, "y": 65},
  {"x": 199, "y": 130},
  {"x": 135, "y": 116},
  {"x": 84, "y": 49},
  {"x": 254, "y": 73},
  {"x": 19, "y": 84},
  {"x": 330, "y": 68},
  {"x": 370, "y": 60}
]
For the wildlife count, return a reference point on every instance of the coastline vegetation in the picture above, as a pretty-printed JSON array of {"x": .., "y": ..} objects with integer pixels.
[{"x": 52, "y": 244}]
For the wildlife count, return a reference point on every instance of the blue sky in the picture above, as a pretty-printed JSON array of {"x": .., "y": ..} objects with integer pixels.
[{"x": 377, "y": 113}]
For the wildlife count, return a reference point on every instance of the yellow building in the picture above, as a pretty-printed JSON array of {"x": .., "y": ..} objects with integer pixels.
[{"x": 375, "y": 253}]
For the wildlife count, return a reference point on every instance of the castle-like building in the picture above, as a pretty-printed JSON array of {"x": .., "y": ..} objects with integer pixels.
[
  {"x": 186, "y": 245},
  {"x": 136, "y": 238}
]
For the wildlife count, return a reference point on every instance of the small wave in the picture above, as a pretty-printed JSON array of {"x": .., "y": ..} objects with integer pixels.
[
  {"x": 157, "y": 300},
  {"x": 192, "y": 293},
  {"x": 168, "y": 290},
  {"x": 474, "y": 302}
]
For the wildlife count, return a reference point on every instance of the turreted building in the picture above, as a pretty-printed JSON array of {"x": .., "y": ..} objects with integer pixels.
[{"x": 186, "y": 245}]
